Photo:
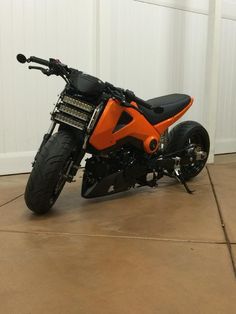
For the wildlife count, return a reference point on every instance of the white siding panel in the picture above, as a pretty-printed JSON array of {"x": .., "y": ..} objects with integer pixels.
[
  {"x": 155, "y": 51},
  {"x": 60, "y": 29},
  {"x": 196, "y": 6},
  {"x": 226, "y": 117}
]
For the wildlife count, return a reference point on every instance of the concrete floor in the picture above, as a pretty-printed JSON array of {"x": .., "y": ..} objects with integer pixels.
[{"x": 144, "y": 251}]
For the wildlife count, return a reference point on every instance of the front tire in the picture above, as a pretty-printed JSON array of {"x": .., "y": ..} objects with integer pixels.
[
  {"x": 184, "y": 134},
  {"x": 47, "y": 178}
]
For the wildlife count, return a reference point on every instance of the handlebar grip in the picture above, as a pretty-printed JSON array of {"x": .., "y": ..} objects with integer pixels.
[
  {"x": 40, "y": 61},
  {"x": 132, "y": 97},
  {"x": 141, "y": 102}
]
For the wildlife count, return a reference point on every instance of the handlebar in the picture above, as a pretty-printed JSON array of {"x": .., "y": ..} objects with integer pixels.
[
  {"x": 39, "y": 60},
  {"x": 22, "y": 59},
  {"x": 141, "y": 102},
  {"x": 54, "y": 66},
  {"x": 126, "y": 95},
  {"x": 43, "y": 70},
  {"x": 57, "y": 68},
  {"x": 145, "y": 104}
]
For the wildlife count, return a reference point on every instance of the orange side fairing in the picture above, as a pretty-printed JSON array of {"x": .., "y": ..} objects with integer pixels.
[
  {"x": 104, "y": 135},
  {"x": 139, "y": 128}
]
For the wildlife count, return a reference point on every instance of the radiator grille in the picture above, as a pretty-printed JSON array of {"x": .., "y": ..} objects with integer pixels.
[
  {"x": 68, "y": 120},
  {"x": 73, "y": 112}
]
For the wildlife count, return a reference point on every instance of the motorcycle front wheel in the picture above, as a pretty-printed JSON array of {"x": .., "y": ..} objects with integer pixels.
[{"x": 47, "y": 178}]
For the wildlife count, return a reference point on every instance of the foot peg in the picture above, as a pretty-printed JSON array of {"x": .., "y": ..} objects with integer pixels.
[{"x": 178, "y": 175}]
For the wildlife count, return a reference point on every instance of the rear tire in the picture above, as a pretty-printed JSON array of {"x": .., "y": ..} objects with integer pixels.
[
  {"x": 47, "y": 179},
  {"x": 183, "y": 134}
]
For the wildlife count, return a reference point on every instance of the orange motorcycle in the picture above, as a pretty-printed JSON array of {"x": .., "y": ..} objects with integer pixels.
[{"x": 127, "y": 139}]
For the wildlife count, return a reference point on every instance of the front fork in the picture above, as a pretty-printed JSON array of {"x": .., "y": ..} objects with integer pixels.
[
  {"x": 46, "y": 137},
  {"x": 75, "y": 162},
  {"x": 79, "y": 155}
]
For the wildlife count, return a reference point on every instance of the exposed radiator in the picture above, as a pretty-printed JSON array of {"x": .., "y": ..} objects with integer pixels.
[{"x": 73, "y": 112}]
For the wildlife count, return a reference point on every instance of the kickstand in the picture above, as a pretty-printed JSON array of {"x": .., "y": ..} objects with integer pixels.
[
  {"x": 178, "y": 175},
  {"x": 153, "y": 183}
]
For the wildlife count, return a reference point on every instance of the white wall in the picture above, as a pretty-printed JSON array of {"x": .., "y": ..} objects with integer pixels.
[
  {"x": 152, "y": 49},
  {"x": 159, "y": 46},
  {"x": 62, "y": 29},
  {"x": 226, "y": 116}
]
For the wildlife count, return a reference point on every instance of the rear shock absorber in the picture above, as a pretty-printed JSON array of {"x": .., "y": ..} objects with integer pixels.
[{"x": 164, "y": 140}]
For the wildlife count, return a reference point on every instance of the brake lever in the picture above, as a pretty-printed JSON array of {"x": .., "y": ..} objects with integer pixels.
[
  {"x": 43, "y": 70},
  {"x": 55, "y": 68},
  {"x": 31, "y": 67}
]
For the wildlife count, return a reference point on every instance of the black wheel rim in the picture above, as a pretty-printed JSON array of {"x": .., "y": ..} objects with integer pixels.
[
  {"x": 198, "y": 140},
  {"x": 60, "y": 182}
]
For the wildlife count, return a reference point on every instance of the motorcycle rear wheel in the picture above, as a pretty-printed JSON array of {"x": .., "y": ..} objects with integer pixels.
[
  {"x": 184, "y": 134},
  {"x": 47, "y": 178}
]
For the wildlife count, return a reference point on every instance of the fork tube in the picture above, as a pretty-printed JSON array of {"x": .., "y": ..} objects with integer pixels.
[
  {"x": 51, "y": 128},
  {"x": 45, "y": 139}
]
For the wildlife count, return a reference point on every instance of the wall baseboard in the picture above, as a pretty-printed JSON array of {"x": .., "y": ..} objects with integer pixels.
[
  {"x": 19, "y": 162},
  {"x": 225, "y": 146},
  {"x": 16, "y": 162}
]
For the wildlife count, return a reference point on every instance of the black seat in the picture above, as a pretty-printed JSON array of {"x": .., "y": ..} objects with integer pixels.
[{"x": 171, "y": 105}]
